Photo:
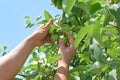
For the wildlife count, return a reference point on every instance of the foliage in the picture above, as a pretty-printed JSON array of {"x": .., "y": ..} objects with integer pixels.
[
  {"x": 95, "y": 25},
  {"x": 3, "y": 50}
]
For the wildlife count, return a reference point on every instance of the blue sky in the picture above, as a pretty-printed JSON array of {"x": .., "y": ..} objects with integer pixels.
[{"x": 12, "y": 21}]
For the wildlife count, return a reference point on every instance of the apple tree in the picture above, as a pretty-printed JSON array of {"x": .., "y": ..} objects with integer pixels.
[{"x": 95, "y": 26}]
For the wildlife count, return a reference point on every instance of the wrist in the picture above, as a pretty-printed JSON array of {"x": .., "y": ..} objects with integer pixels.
[
  {"x": 31, "y": 41},
  {"x": 66, "y": 66},
  {"x": 61, "y": 74},
  {"x": 63, "y": 63}
]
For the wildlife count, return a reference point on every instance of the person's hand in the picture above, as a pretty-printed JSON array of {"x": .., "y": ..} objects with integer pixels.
[
  {"x": 67, "y": 52},
  {"x": 40, "y": 35}
]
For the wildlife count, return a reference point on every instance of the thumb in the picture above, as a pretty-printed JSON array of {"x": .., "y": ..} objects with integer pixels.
[{"x": 49, "y": 23}]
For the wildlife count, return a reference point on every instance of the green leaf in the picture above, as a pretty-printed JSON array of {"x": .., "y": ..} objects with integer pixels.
[
  {"x": 107, "y": 18},
  {"x": 68, "y": 5},
  {"x": 82, "y": 1},
  {"x": 81, "y": 34},
  {"x": 27, "y": 17},
  {"x": 4, "y": 47},
  {"x": 47, "y": 15},
  {"x": 86, "y": 44},
  {"x": 37, "y": 77},
  {"x": 29, "y": 25},
  {"x": 32, "y": 60},
  {"x": 112, "y": 75},
  {"x": 94, "y": 8},
  {"x": 78, "y": 68},
  {"x": 31, "y": 66},
  {"x": 110, "y": 29},
  {"x": 84, "y": 7},
  {"x": 38, "y": 18},
  {"x": 118, "y": 69},
  {"x": 42, "y": 22},
  {"x": 116, "y": 1},
  {"x": 92, "y": 2},
  {"x": 76, "y": 11},
  {"x": 96, "y": 68},
  {"x": 54, "y": 58},
  {"x": 96, "y": 33},
  {"x": 98, "y": 54},
  {"x": 28, "y": 21},
  {"x": 59, "y": 4},
  {"x": 113, "y": 52},
  {"x": 116, "y": 14}
]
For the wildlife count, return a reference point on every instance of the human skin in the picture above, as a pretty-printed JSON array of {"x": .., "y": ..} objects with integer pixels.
[{"x": 67, "y": 53}]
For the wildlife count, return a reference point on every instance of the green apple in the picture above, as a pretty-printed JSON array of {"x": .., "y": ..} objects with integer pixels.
[
  {"x": 52, "y": 29},
  {"x": 54, "y": 37}
]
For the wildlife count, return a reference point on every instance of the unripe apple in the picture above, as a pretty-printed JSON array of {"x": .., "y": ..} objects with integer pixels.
[
  {"x": 54, "y": 37},
  {"x": 52, "y": 29}
]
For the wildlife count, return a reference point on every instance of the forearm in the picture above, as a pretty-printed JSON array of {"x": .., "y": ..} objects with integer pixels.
[
  {"x": 62, "y": 73},
  {"x": 11, "y": 63}
]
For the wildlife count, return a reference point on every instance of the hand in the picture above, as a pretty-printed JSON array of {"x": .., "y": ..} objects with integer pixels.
[
  {"x": 67, "y": 52},
  {"x": 39, "y": 36}
]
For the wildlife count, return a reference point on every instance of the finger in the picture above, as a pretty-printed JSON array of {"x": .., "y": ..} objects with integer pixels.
[
  {"x": 71, "y": 40},
  {"x": 61, "y": 45},
  {"x": 47, "y": 26},
  {"x": 49, "y": 22}
]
